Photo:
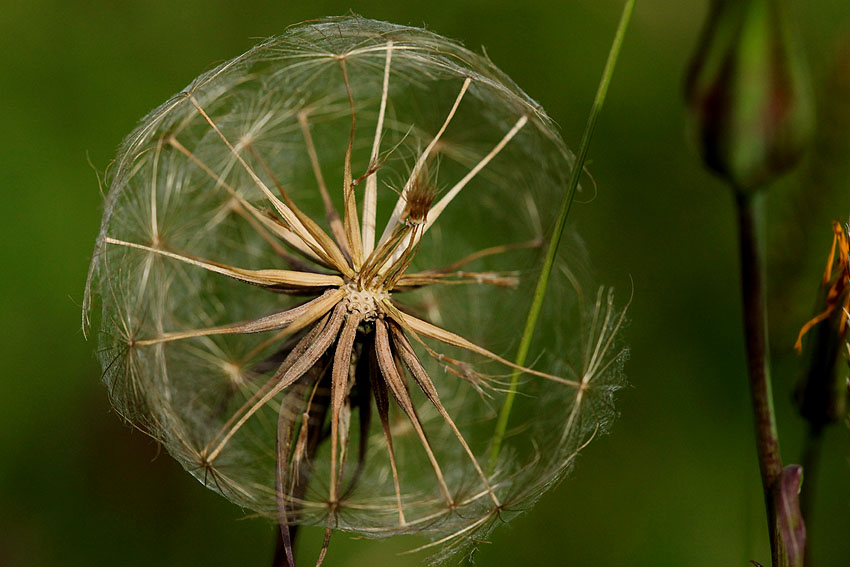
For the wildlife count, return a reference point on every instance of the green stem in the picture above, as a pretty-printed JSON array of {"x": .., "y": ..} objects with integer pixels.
[
  {"x": 755, "y": 332},
  {"x": 549, "y": 260}
]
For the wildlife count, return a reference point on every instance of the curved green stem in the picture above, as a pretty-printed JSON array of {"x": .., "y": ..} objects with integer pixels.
[{"x": 549, "y": 260}]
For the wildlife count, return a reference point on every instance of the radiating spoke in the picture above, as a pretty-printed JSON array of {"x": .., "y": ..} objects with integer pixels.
[
  {"x": 362, "y": 382},
  {"x": 306, "y": 441},
  {"x": 331, "y": 213},
  {"x": 301, "y": 315},
  {"x": 492, "y": 251},
  {"x": 284, "y": 436},
  {"x": 350, "y": 220},
  {"x": 381, "y": 254},
  {"x": 417, "y": 326},
  {"x": 282, "y": 232},
  {"x": 339, "y": 390},
  {"x": 279, "y": 279},
  {"x": 498, "y": 279},
  {"x": 379, "y": 391},
  {"x": 285, "y": 212},
  {"x": 317, "y": 311},
  {"x": 394, "y": 269},
  {"x": 440, "y": 206},
  {"x": 291, "y": 260},
  {"x": 370, "y": 196},
  {"x": 326, "y": 246},
  {"x": 420, "y": 163},
  {"x": 437, "y": 209},
  {"x": 154, "y": 192},
  {"x": 399, "y": 390},
  {"x": 302, "y": 364},
  {"x": 405, "y": 351},
  {"x": 461, "y": 369},
  {"x": 297, "y": 351}
]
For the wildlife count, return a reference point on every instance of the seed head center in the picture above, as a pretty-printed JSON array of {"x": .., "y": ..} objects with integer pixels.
[{"x": 363, "y": 301}]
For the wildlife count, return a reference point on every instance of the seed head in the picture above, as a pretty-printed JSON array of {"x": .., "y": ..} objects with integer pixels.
[{"x": 266, "y": 295}]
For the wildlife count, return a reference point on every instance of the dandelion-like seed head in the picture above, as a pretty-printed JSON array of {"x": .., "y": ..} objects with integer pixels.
[{"x": 313, "y": 266}]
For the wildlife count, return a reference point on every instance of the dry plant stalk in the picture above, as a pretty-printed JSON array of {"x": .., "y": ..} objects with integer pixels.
[{"x": 265, "y": 392}]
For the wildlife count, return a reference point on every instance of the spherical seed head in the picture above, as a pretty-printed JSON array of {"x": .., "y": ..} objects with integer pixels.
[{"x": 278, "y": 217}]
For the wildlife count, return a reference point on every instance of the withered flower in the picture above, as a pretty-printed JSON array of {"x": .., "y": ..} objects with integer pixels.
[{"x": 821, "y": 394}]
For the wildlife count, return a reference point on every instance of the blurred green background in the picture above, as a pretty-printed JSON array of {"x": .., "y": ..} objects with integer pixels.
[{"x": 676, "y": 483}]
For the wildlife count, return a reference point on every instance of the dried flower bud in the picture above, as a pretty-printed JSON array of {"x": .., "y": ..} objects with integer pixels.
[
  {"x": 820, "y": 395},
  {"x": 748, "y": 92},
  {"x": 312, "y": 265}
]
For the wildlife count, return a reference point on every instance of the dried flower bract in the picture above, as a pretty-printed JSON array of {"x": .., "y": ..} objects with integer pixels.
[{"x": 313, "y": 267}]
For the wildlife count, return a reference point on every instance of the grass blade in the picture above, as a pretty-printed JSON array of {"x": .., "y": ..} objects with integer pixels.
[{"x": 566, "y": 204}]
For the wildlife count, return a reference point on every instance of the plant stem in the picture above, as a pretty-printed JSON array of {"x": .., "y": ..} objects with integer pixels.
[
  {"x": 810, "y": 461},
  {"x": 280, "y": 559},
  {"x": 557, "y": 232},
  {"x": 755, "y": 333}
]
